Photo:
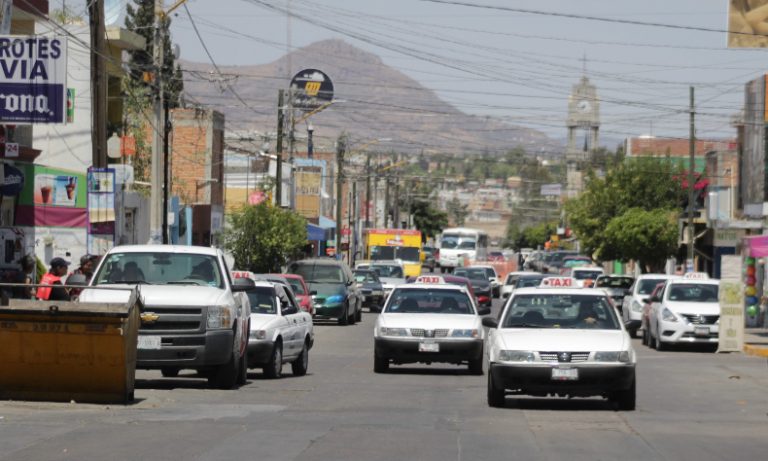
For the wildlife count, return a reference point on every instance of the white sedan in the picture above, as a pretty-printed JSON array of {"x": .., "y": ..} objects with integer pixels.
[
  {"x": 561, "y": 341},
  {"x": 687, "y": 311},
  {"x": 426, "y": 323},
  {"x": 280, "y": 332}
]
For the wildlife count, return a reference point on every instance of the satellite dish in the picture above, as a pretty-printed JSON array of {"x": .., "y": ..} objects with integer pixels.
[{"x": 112, "y": 11}]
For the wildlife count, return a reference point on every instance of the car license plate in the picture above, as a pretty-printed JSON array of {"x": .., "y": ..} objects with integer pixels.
[
  {"x": 429, "y": 347},
  {"x": 565, "y": 374},
  {"x": 149, "y": 342},
  {"x": 701, "y": 331}
]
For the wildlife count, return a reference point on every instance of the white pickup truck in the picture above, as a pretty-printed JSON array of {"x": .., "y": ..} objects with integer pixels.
[{"x": 192, "y": 316}]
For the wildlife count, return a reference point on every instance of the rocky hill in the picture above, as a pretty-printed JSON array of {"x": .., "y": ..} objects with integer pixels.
[{"x": 375, "y": 101}]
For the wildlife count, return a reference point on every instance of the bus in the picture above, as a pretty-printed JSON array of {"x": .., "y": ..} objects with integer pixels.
[
  {"x": 395, "y": 244},
  {"x": 459, "y": 242}
]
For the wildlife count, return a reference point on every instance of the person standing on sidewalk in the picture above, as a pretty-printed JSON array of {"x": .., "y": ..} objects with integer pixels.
[{"x": 53, "y": 277}]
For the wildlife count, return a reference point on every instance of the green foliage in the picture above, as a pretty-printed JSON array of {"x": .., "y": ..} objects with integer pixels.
[
  {"x": 457, "y": 212},
  {"x": 530, "y": 237},
  {"x": 428, "y": 219},
  {"x": 262, "y": 238},
  {"x": 648, "y": 237},
  {"x": 644, "y": 183},
  {"x": 140, "y": 18}
]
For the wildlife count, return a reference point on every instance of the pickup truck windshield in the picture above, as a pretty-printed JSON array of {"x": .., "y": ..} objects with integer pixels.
[{"x": 160, "y": 269}]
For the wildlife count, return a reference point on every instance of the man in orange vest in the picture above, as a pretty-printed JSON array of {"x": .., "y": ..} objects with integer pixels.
[{"x": 53, "y": 277}]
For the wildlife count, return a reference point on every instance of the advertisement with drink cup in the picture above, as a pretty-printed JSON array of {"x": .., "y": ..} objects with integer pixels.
[{"x": 55, "y": 190}]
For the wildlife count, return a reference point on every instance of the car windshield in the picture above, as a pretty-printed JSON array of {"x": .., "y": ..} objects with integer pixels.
[
  {"x": 693, "y": 292},
  {"x": 391, "y": 271},
  {"x": 472, "y": 274},
  {"x": 566, "y": 311},
  {"x": 159, "y": 268},
  {"x": 646, "y": 286},
  {"x": 511, "y": 279},
  {"x": 317, "y": 273},
  {"x": 614, "y": 282},
  {"x": 298, "y": 288},
  {"x": 527, "y": 282},
  {"x": 417, "y": 301},
  {"x": 584, "y": 275},
  {"x": 262, "y": 300},
  {"x": 366, "y": 276},
  {"x": 454, "y": 241}
]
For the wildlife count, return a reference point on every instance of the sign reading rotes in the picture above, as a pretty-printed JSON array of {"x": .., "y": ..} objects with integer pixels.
[
  {"x": 310, "y": 89},
  {"x": 33, "y": 79}
]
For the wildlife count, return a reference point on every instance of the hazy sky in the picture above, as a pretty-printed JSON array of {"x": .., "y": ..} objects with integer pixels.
[{"x": 516, "y": 66}]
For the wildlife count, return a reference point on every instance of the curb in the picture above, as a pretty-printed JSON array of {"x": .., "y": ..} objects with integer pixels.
[{"x": 759, "y": 351}]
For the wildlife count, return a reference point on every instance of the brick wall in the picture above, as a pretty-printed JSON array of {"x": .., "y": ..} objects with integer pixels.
[{"x": 197, "y": 155}]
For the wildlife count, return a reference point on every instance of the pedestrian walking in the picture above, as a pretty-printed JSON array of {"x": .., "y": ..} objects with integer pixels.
[{"x": 53, "y": 277}]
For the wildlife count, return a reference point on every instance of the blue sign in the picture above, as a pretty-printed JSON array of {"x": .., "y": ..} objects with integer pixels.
[
  {"x": 13, "y": 181},
  {"x": 33, "y": 79}
]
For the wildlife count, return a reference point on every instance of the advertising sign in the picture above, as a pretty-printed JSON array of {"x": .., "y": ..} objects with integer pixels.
[
  {"x": 551, "y": 190},
  {"x": 308, "y": 184},
  {"x": 55, "y": 190},
  {"x": 13, "y": 181},
  {"x": 747, "y": 24},
  {"x": 310, "y": 89},
  {"x": 731, "y": 334},
  {"x": 101, "y": 210},
  {"x": 33, "y": 79}
]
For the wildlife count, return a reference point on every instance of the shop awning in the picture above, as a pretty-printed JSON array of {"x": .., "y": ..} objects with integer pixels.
[
  {"x": 315, "y": 232},
  {"x": 326, "y": 223},
  {"x": 758, "y": 246}
]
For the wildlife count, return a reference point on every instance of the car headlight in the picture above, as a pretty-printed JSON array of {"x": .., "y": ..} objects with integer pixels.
[
  {"x": 335, "y": 299},
  {"x": 258, "y": 334},
  {"x": 516, "y": 356},
  {"x": 636, "y": 306},
  {"x": 668, "y": 316},
  {"x": 384, "y": 331},
  {"x": 465, "y": 334},
  {"x": 219, "y": 317},
  {"x": 621, "y": 356}
]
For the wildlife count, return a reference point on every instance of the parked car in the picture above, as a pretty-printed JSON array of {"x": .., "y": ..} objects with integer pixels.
[
  {"x": 280, "y": 332},
  {"x": 617, "y": 287},
  {"x": 194, "y": 316},
  {"x": 632, "y": 307},
  {"x": 686, "y": 311},
  {"x": 301, "y": 291},
  {"x": 333, "y": 286},
  {"x": 429, "y": 323},
  {"x": 371, "y": 288},
  {"x": 496, "y": 256},
  {"x": 391, "y": 274},
  {"x": 480, "y": 283}
]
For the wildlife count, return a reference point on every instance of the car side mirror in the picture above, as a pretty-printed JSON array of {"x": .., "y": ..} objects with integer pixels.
[
  {"x": 484, "y": 311},
  {"x": 490, "y": 322}
]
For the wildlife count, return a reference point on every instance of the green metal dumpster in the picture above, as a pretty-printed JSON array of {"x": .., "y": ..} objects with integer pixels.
[{"x": 63, "y": 351}]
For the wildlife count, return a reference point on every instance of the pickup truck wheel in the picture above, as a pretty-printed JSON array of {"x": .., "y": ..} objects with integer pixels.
[
  {"x": 300, "y": 365},
  {"x": 274, "y": 368},
  {"x": 242, "y": 370},
  {"x": 169, "y": 372},
  {"x": 225, "y": 376}
]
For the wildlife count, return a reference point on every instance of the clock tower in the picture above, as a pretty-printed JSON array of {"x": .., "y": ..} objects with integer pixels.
[{"x": 583, "y": 117}]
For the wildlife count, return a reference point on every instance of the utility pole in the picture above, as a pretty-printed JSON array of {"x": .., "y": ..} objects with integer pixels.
[
  {"x": 156, "y": 173},
  {"x": 367, "y": 188},
  {"x": 386, "y": 201},
  {"x": 340, "y": 150},
  {"x": 279, "y": 148},
  {"x": 691, "y": 165},
  {"x": 352, "y": 222},
  {"x": 166, "y": 172},
  {"x": 98, "y": 86}
]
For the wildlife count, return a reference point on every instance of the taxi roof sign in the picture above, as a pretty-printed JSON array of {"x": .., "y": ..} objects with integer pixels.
[
  {"x": 431, "y": 279},
  {"x": 696, "y": 276},
  {"x": 243, "y": 275},
  {"x": 559, "y": 282}
]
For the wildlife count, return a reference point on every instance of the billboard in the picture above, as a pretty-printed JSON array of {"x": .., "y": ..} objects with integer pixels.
[
  {"x": 33, "y": 79},
  {"x": 308, "y": 184},
  {"x": 747, "y": 23}
]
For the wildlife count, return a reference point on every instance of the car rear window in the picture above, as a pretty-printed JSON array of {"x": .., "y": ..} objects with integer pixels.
[{"x": 419, "y": 301}]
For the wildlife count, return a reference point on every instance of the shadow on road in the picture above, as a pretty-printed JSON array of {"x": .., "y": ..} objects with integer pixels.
[
  {"x": 184, "y": 381},
  {"x": 427, "y": 370}
]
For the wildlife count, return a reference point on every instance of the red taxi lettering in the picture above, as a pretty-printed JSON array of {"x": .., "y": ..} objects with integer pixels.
[
  {"x": 558, "y": 282},
  {"x": 429, "y": 279}
]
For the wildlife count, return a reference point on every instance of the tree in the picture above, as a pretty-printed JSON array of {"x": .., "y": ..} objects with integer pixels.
[
  {"x": 428, "y": 219},
  {"x": 457, "y": 211},
  {"x": 644, "y": 183},
  {"x": 140, "y": 18},
  {"x": 262, "y": 238},
  {"x": 648, "y": 237}
]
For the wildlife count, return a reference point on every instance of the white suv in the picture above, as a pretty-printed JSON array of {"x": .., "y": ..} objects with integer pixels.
[
  {"x": 687, "y": 311},
  {"x": 632, "y": 307}
]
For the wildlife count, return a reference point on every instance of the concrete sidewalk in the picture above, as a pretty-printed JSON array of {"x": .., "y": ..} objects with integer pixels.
[{"x": 756, "y": 341}]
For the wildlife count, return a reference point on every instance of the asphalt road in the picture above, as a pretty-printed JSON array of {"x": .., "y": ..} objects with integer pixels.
[{"x": 692, "y": 405}]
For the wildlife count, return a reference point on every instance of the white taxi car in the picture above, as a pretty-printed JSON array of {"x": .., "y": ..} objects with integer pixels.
[
  {"x": 632, "y": 307},
  {"x": 686, "y": 311},
  {"x": 562, "y": 340},
  {"x": 429, "y": 322},
  {"x": 280, "y": 331}
]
